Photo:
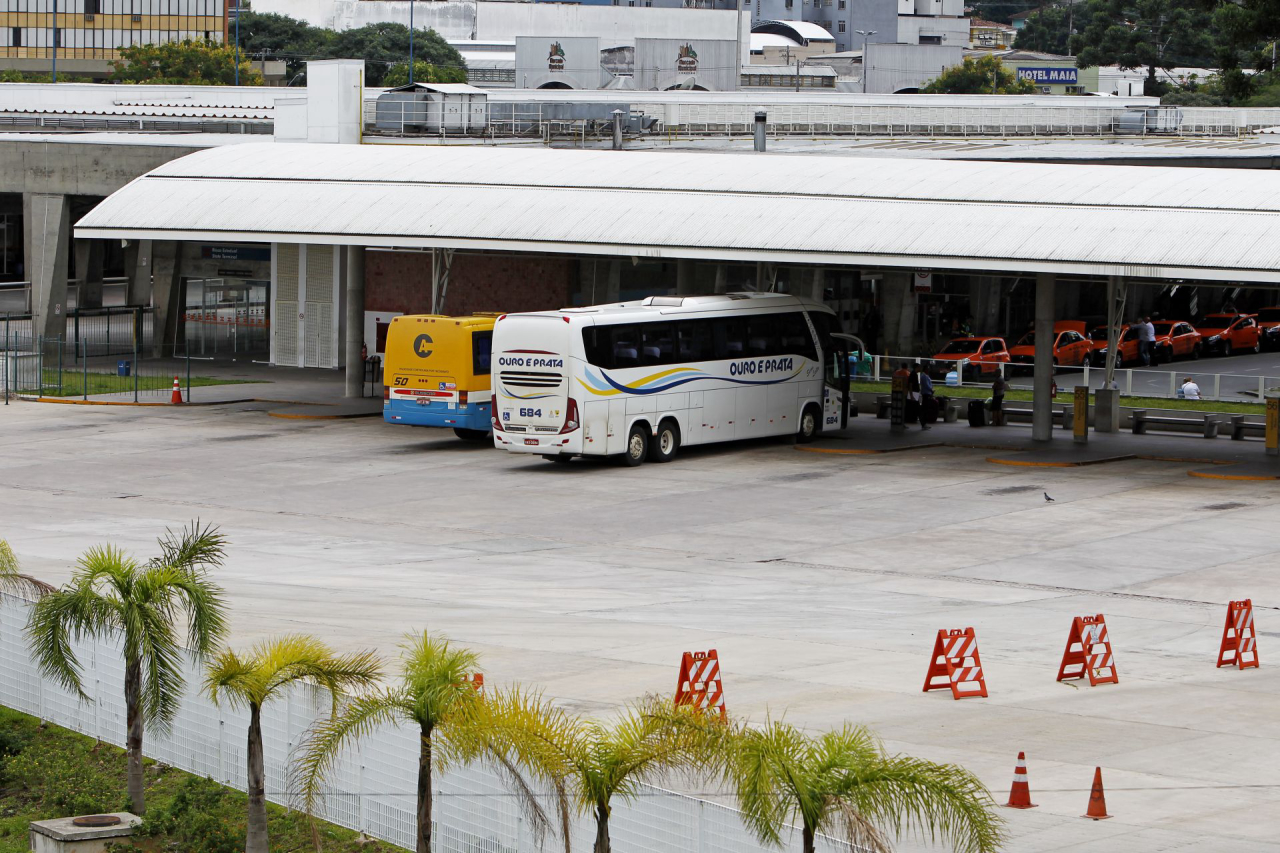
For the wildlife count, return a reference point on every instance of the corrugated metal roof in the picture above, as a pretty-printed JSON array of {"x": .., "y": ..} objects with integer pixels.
[{"x": 1135, "y": 221}]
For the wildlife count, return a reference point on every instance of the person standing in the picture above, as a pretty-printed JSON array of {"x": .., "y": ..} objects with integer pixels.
[
  {"x": 928, "y": 404},
  {"x": 997, "y": 400},
  {"x": 1146, "y": 337}
]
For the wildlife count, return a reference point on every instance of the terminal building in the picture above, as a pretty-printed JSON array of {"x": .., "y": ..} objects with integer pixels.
[{"x": 284, "y": 296}]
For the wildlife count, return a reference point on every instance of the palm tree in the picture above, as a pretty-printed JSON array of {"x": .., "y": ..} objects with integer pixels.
[
  {"x": 254, "y": 679},
  {"x": 843, "y": 782},
  {"x": 112, "y": 594},
  {"x": 435, "y": 697},
  {"x": 595, "y": 762},
  {"x": 14, "y": 581}
]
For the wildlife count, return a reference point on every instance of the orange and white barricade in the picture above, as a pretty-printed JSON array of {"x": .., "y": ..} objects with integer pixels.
[
  {"x": 955, "y": 660},
  {"x": 476, "y": 680},
  {"x": 699, "y": 684},
  {"x": 1088, "y": 652},
  {"x": 1239, "y": 638}
]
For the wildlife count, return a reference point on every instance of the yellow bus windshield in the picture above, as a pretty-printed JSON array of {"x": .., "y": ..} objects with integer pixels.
[{"x": 438, "y": 353}]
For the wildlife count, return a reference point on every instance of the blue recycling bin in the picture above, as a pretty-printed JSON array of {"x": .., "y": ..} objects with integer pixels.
[{"x": 122, "y": 367}]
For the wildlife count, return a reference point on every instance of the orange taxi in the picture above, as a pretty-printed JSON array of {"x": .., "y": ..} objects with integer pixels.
[
  {"x": 983, "y": 354},
  {"x": 1269, "y": 327},
  {"x": 1129, "y": 352},
  {"x": 1070, "y": 347},
  {"x": 1176, "y": 339},
  {"x": 1224, "y": 334}
]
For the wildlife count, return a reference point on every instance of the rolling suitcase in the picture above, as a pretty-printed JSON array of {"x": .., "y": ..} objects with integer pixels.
[
  {"x": 930, "y": 407},
  {"x": 977, "y": 413}
]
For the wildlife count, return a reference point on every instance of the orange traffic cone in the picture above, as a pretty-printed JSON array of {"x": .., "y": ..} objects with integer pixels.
[
  {"x": 176, "y": 397},
  {"x": 1097, "y": 800},
  {"x": 1020, "y": 793}
]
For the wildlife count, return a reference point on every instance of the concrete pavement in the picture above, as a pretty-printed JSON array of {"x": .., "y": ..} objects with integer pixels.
[{"x": 820, "y": 578}]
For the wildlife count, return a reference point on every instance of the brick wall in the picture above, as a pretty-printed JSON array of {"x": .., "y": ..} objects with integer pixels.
[{"x": 401, "y": 281}]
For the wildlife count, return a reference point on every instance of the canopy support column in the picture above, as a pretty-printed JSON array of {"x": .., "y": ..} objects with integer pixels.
[
  {"x": 353, "y": 356},
  {"x": 1042, "y": 393}
]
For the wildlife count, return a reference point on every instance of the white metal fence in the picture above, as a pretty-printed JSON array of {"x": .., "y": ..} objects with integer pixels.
[
  {"x": 1088, "y": 117},
  {"x": 373, "y": 787}
]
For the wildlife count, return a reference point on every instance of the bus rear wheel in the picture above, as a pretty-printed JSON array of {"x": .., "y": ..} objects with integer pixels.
[
  {"x": 473, "y": 434},
  {"x": 665, "y": 444},
  {"x": 809, "y": 425},
  {"x": 637, "y": 445}
]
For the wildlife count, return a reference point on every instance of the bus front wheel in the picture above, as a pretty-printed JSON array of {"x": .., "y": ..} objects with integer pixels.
[
  {"x": 473, "y": 434},
  {"x": 665, "y": 444},
  {"x": 809, "y": 425},
  {"x": 637, "y": 444}
]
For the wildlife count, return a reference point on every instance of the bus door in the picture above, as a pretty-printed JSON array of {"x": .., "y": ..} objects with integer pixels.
[{"x": 844, "y": 348}]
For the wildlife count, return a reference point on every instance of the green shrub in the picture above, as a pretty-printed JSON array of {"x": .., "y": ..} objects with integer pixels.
[
  {"x": 195, "y": 820},
  {"x": 70, "y": 781},
  {"x": 13, "y": 741}
]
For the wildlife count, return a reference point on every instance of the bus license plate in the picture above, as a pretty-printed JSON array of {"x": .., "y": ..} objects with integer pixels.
[
  {"x": 423, "y": 401},
  {"x": 532, "y": 442}
]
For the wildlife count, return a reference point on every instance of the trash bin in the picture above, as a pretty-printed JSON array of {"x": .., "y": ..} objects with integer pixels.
[
  {"x": 122, "y": 367},
  {"x": 977, "y": 413}
]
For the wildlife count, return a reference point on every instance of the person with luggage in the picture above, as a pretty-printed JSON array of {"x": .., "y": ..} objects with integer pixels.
[{"x": 997, "y": 401}]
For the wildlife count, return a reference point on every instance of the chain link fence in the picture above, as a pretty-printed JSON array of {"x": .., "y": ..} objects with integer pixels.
[{"x": 373, "y": 786}]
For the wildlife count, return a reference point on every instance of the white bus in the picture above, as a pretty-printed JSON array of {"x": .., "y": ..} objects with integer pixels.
[{"x": 640, "y": 379}]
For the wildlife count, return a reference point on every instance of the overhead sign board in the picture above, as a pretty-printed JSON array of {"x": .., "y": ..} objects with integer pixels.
[{"x": 1051, "y": 76}]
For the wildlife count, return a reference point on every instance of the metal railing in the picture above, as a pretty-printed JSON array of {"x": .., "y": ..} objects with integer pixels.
[
  {"x": 54, "y": 367},
  {"x": 1131, "y": 382},
  {"x": 1074, "y": 118},
  {"x": 372, "y": 788}
]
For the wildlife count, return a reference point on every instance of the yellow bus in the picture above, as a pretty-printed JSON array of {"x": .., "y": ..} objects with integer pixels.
[{"x": 437, "y": 373}]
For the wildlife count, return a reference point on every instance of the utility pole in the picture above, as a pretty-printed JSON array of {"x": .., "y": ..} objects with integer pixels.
[
  {"x": 866, "y": 34},
  {"x": 797, "y": 75},
  {"x": 55, "y": 44},
  {"x": 237, "y": 42},
  {"x": 410, "y": 42}
]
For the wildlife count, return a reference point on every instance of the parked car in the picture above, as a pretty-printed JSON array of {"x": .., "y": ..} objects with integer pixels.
[
  {"x": 1269, "y": 327},
  {"x": 1225, "y": 334},
  {"x": 1070, "y": 347},
  {"x": 984, "y": 355},
  {"x": 1128, "y": 348},
  {"x": 1177, "y": 339}
]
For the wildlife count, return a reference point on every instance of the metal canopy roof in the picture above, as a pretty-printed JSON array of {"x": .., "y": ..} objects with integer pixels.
[{"x": 1139, "y": 222}]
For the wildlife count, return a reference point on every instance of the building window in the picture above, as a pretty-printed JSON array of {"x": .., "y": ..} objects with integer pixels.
[
  {"x": 931, "y": 39},
  {"x": 57, "y": 37},
  {"x": 841, "y": 4},
  {"x": 17, "y": 36},
  {"x": 840, "y": 26},
  {"x": 92, "y": 7}
]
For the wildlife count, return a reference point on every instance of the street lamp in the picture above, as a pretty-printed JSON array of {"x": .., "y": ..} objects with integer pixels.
[
  {"x": 410, "y": 42},
  {"x": 866, "y": 34},
  {"x": 55, "y": 43}
]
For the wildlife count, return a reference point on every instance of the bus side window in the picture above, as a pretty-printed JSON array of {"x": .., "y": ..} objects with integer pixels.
[
  {"x": 730, "y": 335},
  {"x": 762, "y": 335},
  {"x": 481, "y": 352},
  {"x": 796, "y": 339},
  {"x": 656, "y": 345},
  {"x": 693, "y": 340}
]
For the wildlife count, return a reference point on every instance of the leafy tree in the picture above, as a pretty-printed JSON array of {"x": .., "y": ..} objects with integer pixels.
[
  {"x": 435, "y": 697},
  {"x": 254, "y": 679},
  {"x": 385, "y": 44},
  {"x": 593, "y": 762},
  {"x": 1047, "y": 31},
  {"x": 843, "y": 783},
  {"x": 1249, "y": 29},
  {"x": 976, "y": 76},
  {"x": 1150, "y": 34},
  {"x": 12, "y": 580},
  {"x": 269, "y": 35},
  {"x": 424, "y": 72},
  {"x": 145, "y": 604},
  {"x": 193, "y": 63}
]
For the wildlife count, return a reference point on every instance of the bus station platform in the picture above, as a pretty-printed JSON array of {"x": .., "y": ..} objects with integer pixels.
[{"x": 1012, "y": 445}]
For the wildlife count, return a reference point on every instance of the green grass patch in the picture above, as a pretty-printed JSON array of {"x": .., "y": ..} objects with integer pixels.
[
  {"x": 48, "y": 772},
  {"x": 73, "y": 383},
  {"x": 1065, "y": 395}
]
